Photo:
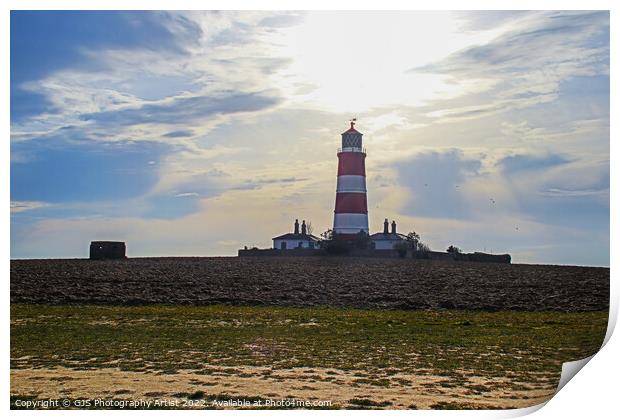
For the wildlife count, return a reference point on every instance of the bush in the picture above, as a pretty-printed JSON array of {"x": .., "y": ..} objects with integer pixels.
[
  {"x": 336, "y": 247},
  {"x": 401, "y": 248},
  {"x": 334, "y": 244},
  {"x": 454, "y": 250},
  {"x": 423, "y": 247},
  {"x": 362, "y": 241}
]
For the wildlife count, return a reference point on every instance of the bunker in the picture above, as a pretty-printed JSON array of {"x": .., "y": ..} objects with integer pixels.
[{"x": 107, "y": 250}]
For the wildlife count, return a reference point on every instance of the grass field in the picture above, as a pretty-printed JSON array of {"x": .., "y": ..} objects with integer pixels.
[{"x": 353, "y": 357}]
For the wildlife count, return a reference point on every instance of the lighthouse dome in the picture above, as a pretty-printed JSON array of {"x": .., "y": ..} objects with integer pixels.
[{"x": 352, "y": 139}]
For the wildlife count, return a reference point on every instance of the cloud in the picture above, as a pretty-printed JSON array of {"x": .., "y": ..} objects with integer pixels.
[
  {"x": 288, "y": 180},
  {"x": 526, "y": 63},
  {"x": 514, "y": 164},
  {"x": 556, "y": 191},
  {"x": 185, "y": 109},
  {"x": 548, "y": 189},
  {"x": 281, "y": 20},
  {"x": 565, "y": 41},
  {"x": 43, "y": 42},
  {"x": 160, "y": 70},
  {"x": 21, "y": 206},
  {"x": 560, "y": 192},
  {"x": 488, "y": 19},
  {"x": 435, "y": 183},
  {"x": 179, "y": 133},
  {"x": 47, "y": 42}
]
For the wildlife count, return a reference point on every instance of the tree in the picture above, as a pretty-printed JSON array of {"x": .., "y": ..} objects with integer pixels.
[
  {"x": 309, "y": 227},
  {"x": 328, "y": 235},
  {"x": 414, "y": 242},
  {"x": 454, "y": 250},
  {"x": 413, "y": 239}
]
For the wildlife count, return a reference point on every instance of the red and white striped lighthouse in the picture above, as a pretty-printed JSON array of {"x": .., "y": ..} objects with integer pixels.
[{"x": 351, "y": 213}]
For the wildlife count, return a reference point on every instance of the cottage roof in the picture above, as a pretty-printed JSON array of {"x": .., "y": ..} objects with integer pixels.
[
  {"x": 297, "y": 236},
  {"x": 388, "y": 237}
]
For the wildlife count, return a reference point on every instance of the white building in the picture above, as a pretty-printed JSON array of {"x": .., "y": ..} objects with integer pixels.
[
  {"x": 386, "y": 239},
  {"x": 296, "y": 239}
]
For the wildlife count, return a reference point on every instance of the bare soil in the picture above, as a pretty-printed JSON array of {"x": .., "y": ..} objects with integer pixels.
[{"x": 312, "y": 281}]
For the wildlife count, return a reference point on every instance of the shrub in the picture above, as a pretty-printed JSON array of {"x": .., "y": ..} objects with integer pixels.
[
  {"x": 454, "y": 250},
  {"x": 401, "y": 248},
  {"x": 336, "y": 247}
]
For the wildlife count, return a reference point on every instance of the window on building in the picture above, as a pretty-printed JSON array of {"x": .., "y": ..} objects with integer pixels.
[{"x": 283, "y": 245}]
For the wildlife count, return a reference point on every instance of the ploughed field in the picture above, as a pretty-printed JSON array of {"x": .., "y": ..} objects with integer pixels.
[
  {"x": 310, "y": 282},
  {"x": 331, "y": 332}
]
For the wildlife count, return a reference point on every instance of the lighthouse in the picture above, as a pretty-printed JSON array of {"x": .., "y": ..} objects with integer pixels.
[{"x": 351, "y": 212}]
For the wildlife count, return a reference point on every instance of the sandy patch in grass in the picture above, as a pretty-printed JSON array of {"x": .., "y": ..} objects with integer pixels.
[{"x": 345, "y": 389}]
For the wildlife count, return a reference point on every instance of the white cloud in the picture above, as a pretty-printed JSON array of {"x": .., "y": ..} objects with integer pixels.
[
  {"x": 527, "y": 61},
  {"x": 358, "y": 61},
  {"x": 21, "y": 206}
]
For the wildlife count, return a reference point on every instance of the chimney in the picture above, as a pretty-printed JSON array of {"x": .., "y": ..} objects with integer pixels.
[
  {"x": 393, "y": 227},
  {"x": 296, "y": 227},
  {"x": 386, "y": 225},
  {"x": 303, "y": 227}
]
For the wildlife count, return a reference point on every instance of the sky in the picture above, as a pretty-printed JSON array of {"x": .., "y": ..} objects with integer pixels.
[{"x": 196, "y": 133}]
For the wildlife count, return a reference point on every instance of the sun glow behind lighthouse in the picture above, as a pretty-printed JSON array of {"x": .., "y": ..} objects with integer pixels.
[{"x": 370, "y": 60}]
